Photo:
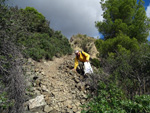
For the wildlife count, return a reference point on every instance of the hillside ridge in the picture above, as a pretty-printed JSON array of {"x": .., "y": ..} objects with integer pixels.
[{"x": 84, "y": 43}]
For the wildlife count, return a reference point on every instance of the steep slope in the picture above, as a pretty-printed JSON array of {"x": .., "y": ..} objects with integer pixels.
[{"x": 63, "y": 90}]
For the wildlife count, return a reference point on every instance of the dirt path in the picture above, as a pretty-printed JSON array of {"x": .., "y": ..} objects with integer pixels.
[
  {"x": 61, "y": 87},
  {"x": 50, "y": 68}
]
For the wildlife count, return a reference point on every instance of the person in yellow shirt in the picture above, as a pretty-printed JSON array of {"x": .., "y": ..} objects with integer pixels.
[{"x": 82, "y": 57}]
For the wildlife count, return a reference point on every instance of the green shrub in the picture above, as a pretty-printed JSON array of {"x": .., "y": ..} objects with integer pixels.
[
  {"x": 111, "y": 99},
  {"x": 4, "y": 101},
  {"x": 140, "y": 104},
  {"x": 111, "y": 45},
  {"x": 40, "y": 46},
  {"x": 36, "y": 21},
  {"x": 95, "y": 62},
  {"x": 108, "y": 100},
  {"x": 130, "y": 69}
]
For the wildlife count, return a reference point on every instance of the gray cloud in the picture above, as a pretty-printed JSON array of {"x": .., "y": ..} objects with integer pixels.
[{"x": 68, "y": 16}]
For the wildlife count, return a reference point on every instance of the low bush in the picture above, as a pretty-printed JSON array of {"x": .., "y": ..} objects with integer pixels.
[
  {"x": 111, "y": 99},
  {"x": 95, "y": 62}
]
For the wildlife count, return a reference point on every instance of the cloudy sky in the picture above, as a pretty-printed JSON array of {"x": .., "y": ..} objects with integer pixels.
[{"x": 70, "y": 16}]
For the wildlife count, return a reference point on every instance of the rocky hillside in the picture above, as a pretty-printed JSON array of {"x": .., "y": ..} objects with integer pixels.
[
  {"x": 85, "y": 43},
  {"x": 53, "y": 87}
]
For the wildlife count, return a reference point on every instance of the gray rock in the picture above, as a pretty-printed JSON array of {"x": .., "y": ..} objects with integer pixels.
[
  {"x": 37, "y": 102},
  {"x": 47, "y": 108},
  {"x": 37, "y": 92},
  {"x": 54, "y": 111},
  {"x": 69, "y": 110},
  {"x": 76, "y": 80},
  {"x": 44, "y": 88}
]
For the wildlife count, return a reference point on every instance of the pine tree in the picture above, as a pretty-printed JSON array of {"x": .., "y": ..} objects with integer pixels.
[{"x": 124, "y": 16}]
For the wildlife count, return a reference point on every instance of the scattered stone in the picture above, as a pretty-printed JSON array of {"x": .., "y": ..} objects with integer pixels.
[
  {"x": 25, "y": 105},
  {"x": 37, "y": 102},
  {"x": 47, "y": 108},
  {"x": 78, "y": 104},
  {"x": 69, "y": 110},
  {"x": 69, "y": 106},
  {"x": 75, "y": 110},
  {"x": 84, "y": 95},
  {"x": 81, "y": 86},
  {"x": 76, "y": 80},
  {"x": 42, "y": 73},
  {"x": 30, "y": 60},
  {"x": 37, "y": 82},
  {"x": 54, "y": 111},
  {"x": 37, "y": 92},
  {"x": 44, "y": 88},
  {"x": 34, "y": 84},
  {"x": 60, "y": 92},
  {"x": 71, "y": 73},
  {"x": 68, "y": 103},
  {"x": 48, "y": 100},
  {"x": 36, "y": 70}
]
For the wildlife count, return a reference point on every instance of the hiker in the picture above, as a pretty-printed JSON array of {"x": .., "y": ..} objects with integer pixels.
[{"x": 84, "y": 58}]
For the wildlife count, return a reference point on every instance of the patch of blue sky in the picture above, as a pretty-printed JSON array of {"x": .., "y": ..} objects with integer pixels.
[{"x": 101, "y": 36}]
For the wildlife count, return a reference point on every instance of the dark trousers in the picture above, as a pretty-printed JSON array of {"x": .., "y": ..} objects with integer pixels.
[{"x": 80, "y": 68}]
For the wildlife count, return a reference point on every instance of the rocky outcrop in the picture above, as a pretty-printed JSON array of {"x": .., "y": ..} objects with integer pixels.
[
  {"x": 55, "y": 88},
  {"x": 85, "y": 43}
]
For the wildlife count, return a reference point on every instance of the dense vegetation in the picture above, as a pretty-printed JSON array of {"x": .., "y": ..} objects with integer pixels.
[
  {"x": 24, "y": 33},
  {"x": 124, "y": 59},
  {"x": 36, "y": 37}
]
